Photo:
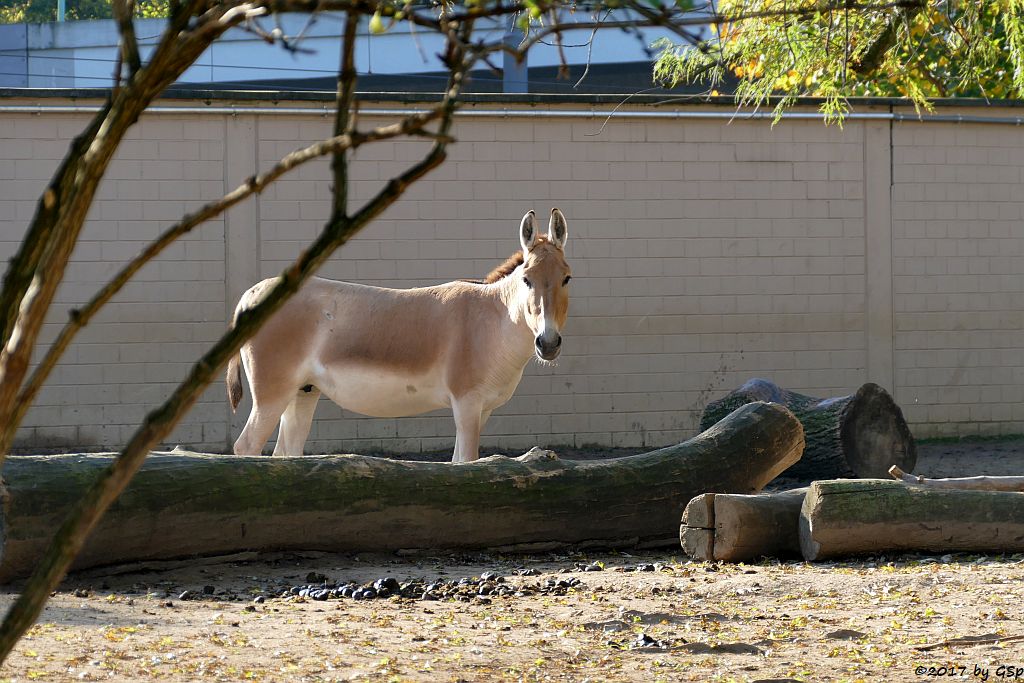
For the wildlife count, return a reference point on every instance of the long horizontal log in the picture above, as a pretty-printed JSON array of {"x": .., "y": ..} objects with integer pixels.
[
  {"x": 980, "y": 483},
  {"x": 735, "y": 527},
  {"x": 871, "y": 516},
  {"x": 183, "y": 504}
]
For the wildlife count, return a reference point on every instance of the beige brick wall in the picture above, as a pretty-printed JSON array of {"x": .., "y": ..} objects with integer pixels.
[
  {"x": 704, "y": 252},
  {"x": 958, "y": 250}
]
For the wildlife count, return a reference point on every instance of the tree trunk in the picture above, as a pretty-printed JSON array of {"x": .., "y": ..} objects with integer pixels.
[
  {"x": 736, "y": 527},
  {"x": 181, "y": 505},
  {"x": 857, "y": 436},
  {"x": 872, "y": 516}
]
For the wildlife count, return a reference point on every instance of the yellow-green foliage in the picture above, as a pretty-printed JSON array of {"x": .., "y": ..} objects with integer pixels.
[
  {"x": 41, "y": 11},
  {"x": 834, "y": 50}
]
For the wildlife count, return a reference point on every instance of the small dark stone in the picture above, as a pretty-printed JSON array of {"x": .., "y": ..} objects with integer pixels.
[
  {"x": 315, "y": 577},
  {"x": 644, "y": 640},
  {"x": 528, "y": 572},
  {"x": 593, "y": 567},
  {"x": 249, "y": 608},
  {"x": 388, "y": 583},
  {"x": 208, "y": 590},
  {"x": 80, "y": 593},
  {"x": 645, "y": 567},
  {"x": 259, "y": 600},
  {"x": 491, "y": 576},
  {"x": 185, "y": 595}
]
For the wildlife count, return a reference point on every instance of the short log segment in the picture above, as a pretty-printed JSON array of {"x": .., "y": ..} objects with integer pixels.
[
  {"x": 872, "y": 516},
  {"x": 859, "y": 435},
  {"x": 735, "y": 527},
  {"x": 181, "y": 505}
]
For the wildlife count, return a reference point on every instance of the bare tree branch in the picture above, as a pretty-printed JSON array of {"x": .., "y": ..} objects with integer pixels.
[
  {"x": 129, "y": 50},
  {"x": 872, "y": 57},
  {"x": 344, "y": 117},
  {"x": 34, "y": 275},
  {"x": 70, "y": 538}
]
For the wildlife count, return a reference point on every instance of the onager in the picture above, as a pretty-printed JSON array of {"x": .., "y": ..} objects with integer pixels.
[{"x": 396, "y": 352}]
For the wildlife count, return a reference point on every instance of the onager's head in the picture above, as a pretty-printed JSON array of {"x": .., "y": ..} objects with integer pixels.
[{"x": 545, "y": 278}]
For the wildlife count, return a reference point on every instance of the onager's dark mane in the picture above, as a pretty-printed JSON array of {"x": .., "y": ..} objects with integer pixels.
[
  {"x": 510, "y": 264},
  {"x": 506, "y": 268}
]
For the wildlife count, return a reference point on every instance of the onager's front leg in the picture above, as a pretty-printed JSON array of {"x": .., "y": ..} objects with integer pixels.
[{"x": 468, "y": 423}]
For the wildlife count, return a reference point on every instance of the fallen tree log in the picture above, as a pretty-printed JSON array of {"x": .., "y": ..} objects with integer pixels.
[
  {"x": 872, "y": 516},
  {"x": 181, "y": 505},
  {"x": 735, "y": 527},
  {"x": 981, "y": 483},
  {"x": 859, "y": 435}
]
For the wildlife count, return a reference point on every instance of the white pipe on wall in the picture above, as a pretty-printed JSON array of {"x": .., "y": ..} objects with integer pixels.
[{"x": 527, "y": 113}]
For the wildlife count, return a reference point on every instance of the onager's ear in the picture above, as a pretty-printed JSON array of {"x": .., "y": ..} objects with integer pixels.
[
  {"x": 558, "y": 229},
  {"x": 528, "y": 231}
]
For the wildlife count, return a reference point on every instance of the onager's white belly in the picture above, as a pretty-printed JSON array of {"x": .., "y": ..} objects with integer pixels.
[{"x": 379, "y": 393}]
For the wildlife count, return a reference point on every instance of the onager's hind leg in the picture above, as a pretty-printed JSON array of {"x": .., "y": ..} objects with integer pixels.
[
  {"x": 262, "y": 419},
  {"x": 296, "y": 422}
]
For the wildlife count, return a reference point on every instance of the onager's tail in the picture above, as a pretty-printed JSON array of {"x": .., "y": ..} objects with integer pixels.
[{"x": 234, "y": 380}]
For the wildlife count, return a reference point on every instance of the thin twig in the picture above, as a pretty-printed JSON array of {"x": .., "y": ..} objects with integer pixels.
[
  {"x": 970, "y": 641},
  {"x": 617, "y": 107},
  {"x": 590, "y": 49}
]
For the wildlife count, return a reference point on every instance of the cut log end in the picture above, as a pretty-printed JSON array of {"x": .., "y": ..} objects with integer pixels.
[
  {"x": 858, "y": 435},
  {"x": 875, "y": 435}
]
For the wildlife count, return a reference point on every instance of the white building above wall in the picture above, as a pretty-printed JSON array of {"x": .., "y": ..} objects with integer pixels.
[{"x": 82, "y": 54}]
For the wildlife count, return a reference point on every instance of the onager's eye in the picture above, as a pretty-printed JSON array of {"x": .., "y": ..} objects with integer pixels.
[
  {"x": 566, "y": 280},
  {"x": 526, "y": 281}
]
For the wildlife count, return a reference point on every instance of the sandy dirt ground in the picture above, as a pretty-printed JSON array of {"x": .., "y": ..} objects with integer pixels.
[{"x": 595, "y": 616}]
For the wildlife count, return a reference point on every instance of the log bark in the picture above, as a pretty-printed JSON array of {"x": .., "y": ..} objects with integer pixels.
[
  {"x": 854, "y": 436},
  {"x": 736, "y": 527},
  {"x": 981, "y": 483},
  {"x": 183, "y": 504},
  {"x": 872, "y": 516}
]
